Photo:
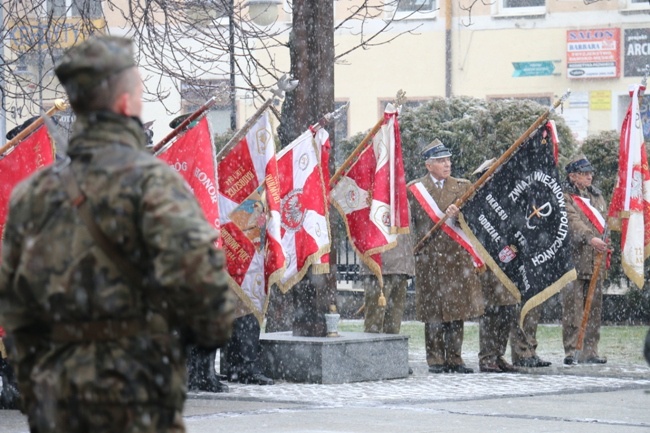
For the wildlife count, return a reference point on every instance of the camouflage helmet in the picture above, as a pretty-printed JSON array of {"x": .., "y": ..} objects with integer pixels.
[{"x": 86, "y": 65}]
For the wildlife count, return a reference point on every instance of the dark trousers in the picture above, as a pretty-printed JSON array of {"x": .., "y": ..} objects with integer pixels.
[
  {"x": 444, "y": 343},
  {"x": 242, "y": 351},
  {"x": 495, "y": 326},
  {"x": 523, "y": 342}
]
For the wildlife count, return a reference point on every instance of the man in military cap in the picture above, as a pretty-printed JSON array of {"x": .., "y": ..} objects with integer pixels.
[
  {"x": 585, "y": 207},
  {"x": 448, "y": 290},
  {"x": 108, "y": 266}
]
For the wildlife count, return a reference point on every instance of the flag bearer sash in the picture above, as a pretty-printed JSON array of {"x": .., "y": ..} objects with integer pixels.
[
  {"x": 518, "y": 222},
  {"x": 449, "y": 227},
  {"x": 629, "y": 210},
  {"x": 249, "y": 204},
  {"x": 303, "y": 205},
  {"x": 592, "y": 214},
  {"x": 371, "y": 195},
  {"x": 32, "y": 153},
  {"x": 193, "y": 156}
]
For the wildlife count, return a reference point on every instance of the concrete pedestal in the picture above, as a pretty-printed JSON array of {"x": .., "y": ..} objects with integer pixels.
[{"x": 351, "y": 357}]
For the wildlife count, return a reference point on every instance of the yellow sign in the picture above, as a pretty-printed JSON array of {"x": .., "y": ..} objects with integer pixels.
[
  {"x": 600, "y": 100},
  {"x": 64, "y": 32}
]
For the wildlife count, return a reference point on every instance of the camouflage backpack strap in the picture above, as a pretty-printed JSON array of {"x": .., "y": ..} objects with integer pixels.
[{"x": 102, "y": 329}]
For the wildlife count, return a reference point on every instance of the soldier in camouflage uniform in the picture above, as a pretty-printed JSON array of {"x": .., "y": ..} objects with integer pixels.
[{"x": 94, "y": 350}]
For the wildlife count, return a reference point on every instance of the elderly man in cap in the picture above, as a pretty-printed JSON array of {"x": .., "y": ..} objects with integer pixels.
[
  {"x": 585, "y": 207},
  {"x": 448, "y": 290},
  {"x": 108, "y": 266}
]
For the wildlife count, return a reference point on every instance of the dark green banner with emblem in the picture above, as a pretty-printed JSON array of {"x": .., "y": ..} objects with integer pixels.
[{"x": 518, "y": 222}]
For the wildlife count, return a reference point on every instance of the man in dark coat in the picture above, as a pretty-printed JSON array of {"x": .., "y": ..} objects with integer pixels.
[
  {"x": 98, "y": 348},
  {"x": 448, "y": 290},
  {"x": 585, "y": 207}
]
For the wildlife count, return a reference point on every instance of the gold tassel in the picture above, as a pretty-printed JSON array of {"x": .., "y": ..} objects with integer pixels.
[{"x": 382, "y": 300}]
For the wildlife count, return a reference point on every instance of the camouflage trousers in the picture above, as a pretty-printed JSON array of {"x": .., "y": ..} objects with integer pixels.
[{"x": 76, "y": 417}]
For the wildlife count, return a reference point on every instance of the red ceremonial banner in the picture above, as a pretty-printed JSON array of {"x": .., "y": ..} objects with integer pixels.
[
  {"x": 371, "y": 195},
  {"x": 193, "y": 156},
  {"x": 19, "y": 162}
]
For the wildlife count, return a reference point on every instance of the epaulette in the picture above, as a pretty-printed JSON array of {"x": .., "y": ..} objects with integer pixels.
[{"x": 463, "y": 180}]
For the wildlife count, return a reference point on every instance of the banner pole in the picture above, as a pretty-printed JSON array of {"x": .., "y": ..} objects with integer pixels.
[
  {"x": 459, "y": 203},
  {"x": 600, "y": 257},
  {"x": 189, "y": 119},
  {"x": 285, "y": 84},
  {"x": 356, "y": 152},
  {"x": 59, "y": 105}
]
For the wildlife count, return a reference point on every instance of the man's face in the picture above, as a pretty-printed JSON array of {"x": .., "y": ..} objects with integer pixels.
[
  {"x": 439, "y": 168},
  {"x": 581, "y": 179}
]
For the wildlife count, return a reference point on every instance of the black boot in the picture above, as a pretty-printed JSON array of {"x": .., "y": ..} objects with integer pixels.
[
  {"x": 9, "y": 396},
  {"x": 201, "y": 375}
]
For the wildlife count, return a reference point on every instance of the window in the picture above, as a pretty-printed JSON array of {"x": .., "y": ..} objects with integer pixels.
[
  {"x": 633, "y": 5},
  {"x": 75, "y": 8},
  {"x": 86, "y": 8},
  {"x": 519, "y": 7},
  {"x": 411, "y": 9},
  {"x": 416, "y": 5},
  {"x": 410, "y": 103},
  {"x": 197, "y": 93}
]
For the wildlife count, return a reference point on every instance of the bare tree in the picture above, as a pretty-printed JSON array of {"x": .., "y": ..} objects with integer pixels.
[{"x": 180, "y": 43}]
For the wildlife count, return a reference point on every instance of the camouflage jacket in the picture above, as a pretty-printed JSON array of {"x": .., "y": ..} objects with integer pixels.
[{"x": 53, "y": 273}]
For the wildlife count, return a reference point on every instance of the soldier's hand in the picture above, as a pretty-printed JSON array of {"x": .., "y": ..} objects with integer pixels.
[
  {"x": 598, "y": 244},
  {"x": 452, "y": 211}
]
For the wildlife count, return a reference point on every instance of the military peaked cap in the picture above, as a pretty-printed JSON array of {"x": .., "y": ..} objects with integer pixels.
[
  {"x": 20, "y": 128},
  {"x": 435, "y": 150},
  {"x": 579, "y": 164}
]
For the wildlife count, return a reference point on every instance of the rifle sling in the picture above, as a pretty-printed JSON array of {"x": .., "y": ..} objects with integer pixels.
[{"x": 79, "y": 201}]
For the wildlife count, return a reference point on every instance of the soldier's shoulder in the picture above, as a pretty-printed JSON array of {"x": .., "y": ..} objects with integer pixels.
[
  {"x": 34, "y": 184},
  {"x": 461, "y": 180},
  {"x": 418, "y": 180}
]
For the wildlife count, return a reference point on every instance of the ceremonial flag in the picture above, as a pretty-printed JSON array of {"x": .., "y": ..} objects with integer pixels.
[
  {"x": 249, "y": 203},
  {"x": 371, "y": 195},
  {"x": 322, "y": 264},
  {"x": 32, "y": 153},
  {"x": 305, "y": 226},
  {"x": 518, "y": 223},
  {"x": 629, "y": 210},
  {"x": 193, "y": 156}
]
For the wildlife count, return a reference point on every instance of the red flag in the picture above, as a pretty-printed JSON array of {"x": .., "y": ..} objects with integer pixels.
[
  {"x": 305, "y": 227},
  {"x": 193, "y": 155},
  {"x": 249, "y": 200},
  {"x": 629, "y": 210},
  {"x": 20, "y": 161},
  {"x": 371, "y": 195}
]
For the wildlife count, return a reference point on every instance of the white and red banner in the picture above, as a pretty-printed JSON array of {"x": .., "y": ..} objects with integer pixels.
[
  {"x": 630, "y": 206},
  {"x": 305, "y": 227},
  {"x": 322, "y": 138},
  {"x": 34, "y": 152},
  {"x": 592, "y": 214},
  {"x": 371, "y": 195},
  {"x": 454, "y": 232},
  {"x": 249, "y": 201},
  {"x": 193, "y": 156}
]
